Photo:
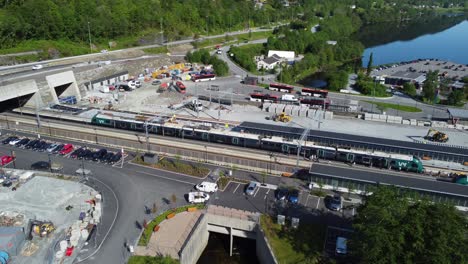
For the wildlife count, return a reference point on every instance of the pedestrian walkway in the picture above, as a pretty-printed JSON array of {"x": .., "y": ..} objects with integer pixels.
[{"x": 171, "y": 236}]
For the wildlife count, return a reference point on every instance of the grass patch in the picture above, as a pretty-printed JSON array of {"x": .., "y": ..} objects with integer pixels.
[
  {"x": 176, "y": 166},
  {"x": 403, "y": 108},
  {"x": 301, "y": 245},
  {"x": 319, "y": 193},
  {"x": 146, "y": 236},
  {"x": 254, "y": 35},
  {"x": 152, "y": 260},
  {"x": 156, "y": 50}
]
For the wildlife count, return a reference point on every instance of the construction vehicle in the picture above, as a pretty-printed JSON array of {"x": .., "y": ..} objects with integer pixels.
[
  {"x": 41, "y": 229},
  {"x": 436, "y": 136},
  {"x": 283, "y": 117}
]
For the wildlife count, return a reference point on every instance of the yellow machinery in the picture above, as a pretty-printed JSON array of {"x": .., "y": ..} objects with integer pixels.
[
  {"x": 283, "y": 117},
  {"x": 42, "y": 229},
  {"x": 436, "y": 136}
]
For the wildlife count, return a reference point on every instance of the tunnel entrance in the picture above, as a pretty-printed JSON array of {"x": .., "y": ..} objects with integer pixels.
[
  {"x": 59, "y": 90},
  {"x": 16, "y": 102},
  {"x": 217, "y": 250}
]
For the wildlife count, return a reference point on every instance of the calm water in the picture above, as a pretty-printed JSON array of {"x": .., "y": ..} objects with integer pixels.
[{"x": 444, "y": 38}]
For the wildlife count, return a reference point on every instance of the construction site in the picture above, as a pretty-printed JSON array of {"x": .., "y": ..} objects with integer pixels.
[{"x": 46, "y": 219}]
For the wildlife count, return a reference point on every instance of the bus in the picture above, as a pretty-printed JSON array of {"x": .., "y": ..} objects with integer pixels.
[
  {"x": 203, "y": 77},
  {"x": 281, "y": 87},
  {"x": 316, "y": 102},
  {"x": 180, "y": 87},
  {"x": 314, "y": 92}
]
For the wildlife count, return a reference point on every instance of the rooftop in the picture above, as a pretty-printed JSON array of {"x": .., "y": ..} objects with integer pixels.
[{"x": 458, "y": 113}]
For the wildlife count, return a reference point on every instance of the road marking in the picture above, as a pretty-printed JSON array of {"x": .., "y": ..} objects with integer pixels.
[
  {"x": 112, "y": 224},
  {"x": 307, "y": 200},
  {"x": 267, "y": 191},
  {"x": 236, "y": 188},
  {"x": 318, "y": 202},
  {"x": 255, "y": 194},
  {"x": 352, "y": 213},
  {"x": 167, "y": 178},
  {"x": 264, "y": 198}
]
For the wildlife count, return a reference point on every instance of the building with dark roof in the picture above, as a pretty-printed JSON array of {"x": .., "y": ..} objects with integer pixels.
[
  {"x": 401, "y": 77},
  {"x": 457, "y": 115}
]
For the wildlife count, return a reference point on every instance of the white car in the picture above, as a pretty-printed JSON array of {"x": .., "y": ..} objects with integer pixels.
[
  {"x": 209, "y": 187},
  {"x": 198, "y": 197},
  {"x": 37, "y": 67},
  {"x": 14, "y": 141}
]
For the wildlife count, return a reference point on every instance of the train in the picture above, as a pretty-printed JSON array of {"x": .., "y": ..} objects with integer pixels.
[{"x": 225, "y": 134}]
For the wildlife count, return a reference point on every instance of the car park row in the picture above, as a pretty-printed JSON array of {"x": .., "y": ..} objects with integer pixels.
[{"x": 64, "y": 149}]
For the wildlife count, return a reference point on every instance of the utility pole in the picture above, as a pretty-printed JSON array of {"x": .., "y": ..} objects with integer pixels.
[
  {"x": 89, "y": 35},
  {"x": 147, "y": 136}
]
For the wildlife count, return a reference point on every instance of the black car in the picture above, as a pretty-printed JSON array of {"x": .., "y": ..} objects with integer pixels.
[
  {"x": 31, "y": 144},
  {"x": 75, "y": 154},
  {"x": 7, "y": 183},
  {"x": 334, "y": 203},
  {"x": 22, "y": 142},
  {"x": 87, "y": 154},
  {"x": 39, "y": 145},
  {"x": 116, "y": 157},
  {"x": 107, "y": 157},
  {"x": 281, "y": 194},
  {"x": 58, "y": 148},
  {"x": 40, "y": 165},
  {"x": 43, "y": 147},
  {"x": 8, "y": 139},
  {"x": 99, "y": 154}
]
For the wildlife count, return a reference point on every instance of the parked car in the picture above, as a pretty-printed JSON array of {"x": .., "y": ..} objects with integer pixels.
[
  {"x": 37, "y": 67},
  {"x": 198, "y": 197},
  {"x": 38, "y": 145},
  {"x": 250, "y": 190},
  {"x": 117, "y": 156},
  {"x": 341, "y": 246},
  {"x": 58, "y": 148},
  {"x": 7, "y": 183},
  {"x": 6, "y": 159},
  {"x": 293, "y": 196},
  {"x": 156, "y": 82},
  {"x": 89, "y": 155},
  {"x": 99, "y": 154},
  {"x": 14, "y": 141},
  {"x": 77, "y": 153},
  {"x": 85, "y": 153},
  {"x": 281, "y": 193},
  {"x": 44, "y": 147},
  {"x": 51, "y": 147},
  {"x": 31, "y": 144},
  {"x": 106, "y": 157},
  {"x": 40, "y": 165},
  {"x": 68, "y": 148},
  {"x": 209, "y": 187},
  {"x": 8, "y": 139},
  {"x": 22, "y": 142},
  {"x": 334, "y": 203}
]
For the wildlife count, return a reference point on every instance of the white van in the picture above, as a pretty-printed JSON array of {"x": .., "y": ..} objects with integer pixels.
[
  {"x": 341, "y": 247},
  {"x": 207, "y": 187},
  {"x": 288, "y": 97}
]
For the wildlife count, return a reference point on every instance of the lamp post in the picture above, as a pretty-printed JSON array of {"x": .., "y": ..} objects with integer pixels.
[
  {"x": 50, "y": 162},
  {"x": 89, "y": 35}
]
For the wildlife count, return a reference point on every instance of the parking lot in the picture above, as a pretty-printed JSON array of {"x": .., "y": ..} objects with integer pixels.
[
  {"x": 330, "y": 240},
  {"x": 112, "y": 157},
  {"x": 264, "y": 199}
]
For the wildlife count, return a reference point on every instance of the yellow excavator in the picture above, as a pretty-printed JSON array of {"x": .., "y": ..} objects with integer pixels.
[
  {"x": 436, "y": 136},
  {"x": 41, "y": 229},
  {"x": 283, "y": 117}
]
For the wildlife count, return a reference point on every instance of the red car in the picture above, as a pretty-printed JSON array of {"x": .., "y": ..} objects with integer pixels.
[
  {"x": 6, "y": 159},
  {"x": 66, "y": 149}
]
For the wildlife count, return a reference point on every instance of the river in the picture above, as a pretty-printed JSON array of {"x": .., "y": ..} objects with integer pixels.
[{"x": 443, "y": 37}]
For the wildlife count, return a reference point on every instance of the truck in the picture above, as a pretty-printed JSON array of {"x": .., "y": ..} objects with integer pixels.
[
  {"x": 195, "y": 105},
  {"x": 458, "y": 178},
  {"x": 288, "y": 97},
  {"x": 198, "y": 197}
]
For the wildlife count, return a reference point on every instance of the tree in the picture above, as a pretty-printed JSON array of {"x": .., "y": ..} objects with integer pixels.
[
  {"x": 369, "y": 63},
  {"x": 430, "y": 86},
  {"x": 409, "y": 88},
  {"x": 392, "y": 226},
  {"x": 455, "y": 97}
]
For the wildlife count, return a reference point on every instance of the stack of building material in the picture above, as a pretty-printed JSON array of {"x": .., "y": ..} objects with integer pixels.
[{"x": 279, "y": 108}]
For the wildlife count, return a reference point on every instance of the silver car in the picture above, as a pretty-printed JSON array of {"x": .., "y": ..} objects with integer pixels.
[
  {"x": 251, "y": 188},
  {"x": 51, "y": 147}
]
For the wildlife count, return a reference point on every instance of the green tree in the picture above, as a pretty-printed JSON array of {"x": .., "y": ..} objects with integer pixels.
[
  {"x": 430, "y": 86},
  {"x": 455, "y": 97},
  {"x": 409, "y": 88},
  {"x": 396, "y": 227},
  {"x": 369, "y": 64},
  {"x": 337, "y": 80},
  {"x": 152, "y": 260}
]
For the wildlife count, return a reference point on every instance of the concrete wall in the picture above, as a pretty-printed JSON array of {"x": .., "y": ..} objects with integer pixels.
[
  {"x": 264, "y": 252},
  {"x": 60, "y": 79},
  {"x": 19, "y": 89},
  {"x": 196, "y": 243}
]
